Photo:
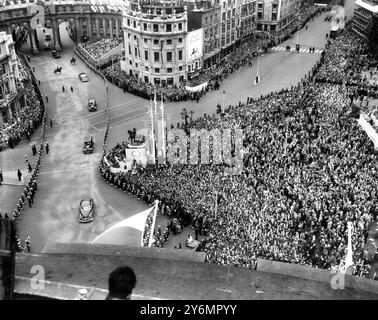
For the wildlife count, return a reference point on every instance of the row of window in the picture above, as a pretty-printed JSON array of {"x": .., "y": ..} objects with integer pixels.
[
  {"x": 169, "y": 55},
  {"x": 229, "y": 13},
  {"x": 155, "y": 26},
  {"x": 156, "y": 70},
  {"x": 156, "y": 42}
]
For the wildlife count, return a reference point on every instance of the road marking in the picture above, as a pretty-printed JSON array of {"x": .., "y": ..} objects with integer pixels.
[{"x": 224, "y": 290}]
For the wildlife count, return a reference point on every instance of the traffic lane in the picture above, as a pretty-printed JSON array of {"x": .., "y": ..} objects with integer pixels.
[
  {"x": 277, "y": 71},
  {"x": 54, "y": 215}
]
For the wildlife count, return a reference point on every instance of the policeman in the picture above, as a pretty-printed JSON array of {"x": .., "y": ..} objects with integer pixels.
[{"x": 27, "y": 242}]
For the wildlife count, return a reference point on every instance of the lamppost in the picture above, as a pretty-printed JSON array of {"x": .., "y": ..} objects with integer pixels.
[
  {"x": 184, "y": 117},
  {"x": 191, "y": 116}
]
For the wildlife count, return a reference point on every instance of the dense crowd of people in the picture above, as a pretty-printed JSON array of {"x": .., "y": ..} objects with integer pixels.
[
  {"x": 99, "y": 48},
  {"x": 24, "y": 121},
  {"x": 309, "y": 169},
  {"x": 345, "y": 60}
]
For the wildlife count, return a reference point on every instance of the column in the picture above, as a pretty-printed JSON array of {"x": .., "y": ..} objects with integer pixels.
[
  {"x": 33, "y": 40},
  {"x": 78, "y": 30},
  {"x": 55, "y": 31},
  {"x": 89, "y": 29},
  {"x": 117, "y": 24},
  {"x": 98, "y": 28},
  {"x": 111, "y": 28}
]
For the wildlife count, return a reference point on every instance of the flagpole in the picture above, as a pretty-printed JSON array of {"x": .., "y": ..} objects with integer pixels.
[
  {"x": 163, "y": 126},
  {"x": 152, "y": 229},
  {"x": 152, "y": 133}
]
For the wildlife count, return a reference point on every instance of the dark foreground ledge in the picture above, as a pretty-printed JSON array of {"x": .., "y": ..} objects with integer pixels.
[{"x": 164, "y": 278}]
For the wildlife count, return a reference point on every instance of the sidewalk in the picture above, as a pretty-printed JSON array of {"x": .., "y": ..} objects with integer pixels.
[{"x": 11, "y": 178}]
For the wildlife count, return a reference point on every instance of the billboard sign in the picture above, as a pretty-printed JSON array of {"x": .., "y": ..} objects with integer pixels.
[{"x": 194, "y": 45}]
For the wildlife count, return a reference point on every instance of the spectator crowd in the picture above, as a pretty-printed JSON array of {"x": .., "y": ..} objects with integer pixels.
[{"x": 309, "y": 168}]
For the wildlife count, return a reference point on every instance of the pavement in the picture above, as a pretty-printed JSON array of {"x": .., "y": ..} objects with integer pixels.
[{"x": 67, "y": 175}]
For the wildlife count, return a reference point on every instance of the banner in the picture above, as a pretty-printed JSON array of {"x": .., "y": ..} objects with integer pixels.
[
  {"x": 197, "y": 88},
  {"x": 194, "y": 44}
]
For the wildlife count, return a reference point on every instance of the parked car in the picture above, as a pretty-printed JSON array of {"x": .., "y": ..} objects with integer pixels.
[
  {"x": 88, "y": 145},
  {"x": 83, "y": 77},
  {"x": 92, "y": 104},
  {"x": 86, "y": 210}
]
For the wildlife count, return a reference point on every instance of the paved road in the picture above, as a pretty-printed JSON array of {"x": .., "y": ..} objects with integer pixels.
[{"x": 68, "y": 175}]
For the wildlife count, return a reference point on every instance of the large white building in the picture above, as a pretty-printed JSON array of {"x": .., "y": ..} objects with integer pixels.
[
  {"x": 363, "y": 16},
  {"x": 155, "y": 35},
  {"x": 11, "y": 94}
]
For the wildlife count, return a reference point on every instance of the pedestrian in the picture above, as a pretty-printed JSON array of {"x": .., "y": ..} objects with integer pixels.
[
  {"x": 27, "y": 242},
  {"x": 63, "y": 88},
  {"x": 33, "y": 69},
  {"x": 39, "y": 82},
  {"x": 29, "y": 201},
  {"x": 71, "y": 89},
  {"x": 196, "y": 231},
  {"x": 19, "y": 174},
  {"x": 47, "y": 99},
  {"x": 51, "y": 123},
  {"x": 34, "y": 150},
  {"x": 30, "y": 167},
  {"x": 180, "y": 246},
  {"x": 47, "y": 147}
]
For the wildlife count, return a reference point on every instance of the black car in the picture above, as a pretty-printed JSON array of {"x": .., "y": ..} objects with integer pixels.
[
  {"x": 88, "y": 145},
  {"x": 86, "y": 210},
  {"x": 92, "y": 104}
]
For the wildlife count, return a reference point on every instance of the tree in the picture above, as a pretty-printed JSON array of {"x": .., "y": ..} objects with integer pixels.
[{"x": 373, "y": 36}]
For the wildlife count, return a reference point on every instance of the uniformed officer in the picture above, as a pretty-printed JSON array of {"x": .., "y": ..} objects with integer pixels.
[{"x": 27, "y": 242}]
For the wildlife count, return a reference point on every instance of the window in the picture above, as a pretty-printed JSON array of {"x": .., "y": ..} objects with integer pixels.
[
  {"x": 223, "y": 27},
  {"x": 180, "y": 26},
  {"x": 146, "y": 55},
  {"x": 129, "y": 35},
  {"x": 180, "y": 40},
  {"x": 259, "y": 16},
  {"x": 233, "y": 23},
  {"x": 180, "y": 55},
  {"x": 128, "y": 22},
  {"x": 136, "y": 65},
  {"x": 169, "y": 81},
  {"x": 169, "y": 56},
  {"x": 129, "y": 50},
  {"x": 130, "y": 63},
  {"x": 168, "y": 27},
  {"x": 156, "y": 28},
  {"x": 169, "y": 41},
  {"x": 233, "y": 12},
  {"x": 156, "y": 56},
  {"x": 145, "y": 40},
  {"x": 134, "y": 24},
  {"x": 157, "y": 70},
  {"x": 274, "y": 16},
  {"x": 144, "y": 26},
  {"x": 180, "y": 68},
  {"x": 169, "y": 70},
  {"x": 146, "y": 68},
  {"x": 224, "y": 16},
  {"x": 228, "y": 14},
  {"x": 135, "y": 38},
  {"x": 156, "y": 42},
  {"x": 157, "y": 80},
  {"x": 136, "y": 52},
  {"x": 145, "y": 79}
]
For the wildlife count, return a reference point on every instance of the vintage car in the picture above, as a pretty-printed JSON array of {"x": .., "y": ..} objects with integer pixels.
[
  {"x": 88, "y": 145},
  {"x": 86, "y": 210},
  {"x": 83, "y": 77},
  {"x": 92, "y": 104},
  {"x": 56, "y": 54}
]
